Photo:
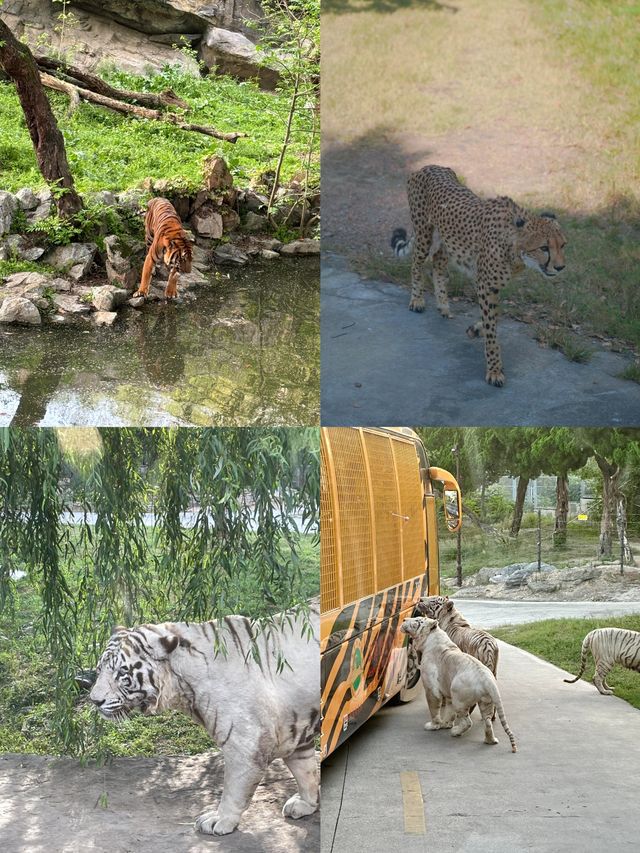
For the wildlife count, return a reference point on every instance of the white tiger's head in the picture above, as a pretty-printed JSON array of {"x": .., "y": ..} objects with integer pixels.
[
  {"x": 418, "y": 628},
  {"x": 130, "y": 673},
  {"x": 433, "y": 606}
]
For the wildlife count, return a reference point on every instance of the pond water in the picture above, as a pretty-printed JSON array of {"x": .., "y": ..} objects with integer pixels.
[{"x": 244, "y": 351}]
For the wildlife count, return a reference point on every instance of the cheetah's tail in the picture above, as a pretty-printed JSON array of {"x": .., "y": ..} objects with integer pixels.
[{"x": 401, "y": 245}]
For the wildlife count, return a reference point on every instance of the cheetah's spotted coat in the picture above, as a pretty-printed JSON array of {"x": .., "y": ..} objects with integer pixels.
[{"x": 491, "y": 240}]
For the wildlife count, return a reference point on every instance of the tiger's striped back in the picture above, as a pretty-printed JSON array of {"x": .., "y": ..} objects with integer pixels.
[
  {"x": 609, "y": 646},
  {"x": 164, "y": 233}
]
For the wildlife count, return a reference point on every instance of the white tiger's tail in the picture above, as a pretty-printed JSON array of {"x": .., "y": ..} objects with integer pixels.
[
  {"x": 586, "y": 647},
  {"x": 401, "y": 244},
  {"x": 497, "y": 703}
]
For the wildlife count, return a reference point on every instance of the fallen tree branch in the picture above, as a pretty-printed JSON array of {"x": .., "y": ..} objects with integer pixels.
[
  {"x": 82, "y": 79},
  {"x": 132, "y": 109}
]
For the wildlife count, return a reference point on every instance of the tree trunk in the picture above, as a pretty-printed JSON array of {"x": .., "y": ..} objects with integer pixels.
[
  {"x": 17, "y": 61},
  {"x": 562, "y": 510},
  {"x": 521, "y": 493},
  {"x": 610, "y": 474},
  {"x": 626, "y": 555},
  {"x": 75, "y": 93}
]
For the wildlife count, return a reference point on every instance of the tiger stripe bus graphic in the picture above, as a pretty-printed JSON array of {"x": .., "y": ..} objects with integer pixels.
[{"x": 379, "y": 555}]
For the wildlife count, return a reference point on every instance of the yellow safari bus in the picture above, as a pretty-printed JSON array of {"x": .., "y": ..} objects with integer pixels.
[{"x": 379, "y": 554}]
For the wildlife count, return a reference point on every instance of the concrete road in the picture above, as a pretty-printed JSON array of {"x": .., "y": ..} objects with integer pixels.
[
  {"x": 572, "y": 785},
  {"x": 383, "y": 365},
  {"x": 491, "y": 614}
]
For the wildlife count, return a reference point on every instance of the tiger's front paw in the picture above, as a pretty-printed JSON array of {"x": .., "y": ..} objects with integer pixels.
[
  {"x": 138, "y": 293},
  {"x": 210, "y": 824},
  {"x": 296, "y": 807},
  {"x": 495, "y": 377},
  {"x": 432, "y": 726},
  {"x": 417, "y": 304}
]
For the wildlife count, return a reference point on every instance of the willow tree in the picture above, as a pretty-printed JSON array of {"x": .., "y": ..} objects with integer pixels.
[
  {"x": 119, "y": 526},
  {"x": 18, "y": 63}
]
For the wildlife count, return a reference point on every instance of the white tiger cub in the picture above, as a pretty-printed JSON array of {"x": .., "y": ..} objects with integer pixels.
[
  {"x": 255, "y": 710},
  {"x": 609, "y": 646},
  {"x": 454, "y": 682}
]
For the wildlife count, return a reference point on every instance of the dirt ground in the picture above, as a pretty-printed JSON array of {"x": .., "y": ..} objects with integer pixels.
[{"x": 139, "y": 805}]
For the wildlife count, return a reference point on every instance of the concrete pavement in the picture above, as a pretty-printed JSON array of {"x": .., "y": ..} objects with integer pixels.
[
  {"x": 572, "y": 785},
  {"x": 384, "y": 365},
  {"x": 490, "y": 614}
]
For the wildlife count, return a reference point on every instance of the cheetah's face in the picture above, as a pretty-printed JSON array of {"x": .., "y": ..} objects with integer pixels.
[{"x": 541, "y": 244}]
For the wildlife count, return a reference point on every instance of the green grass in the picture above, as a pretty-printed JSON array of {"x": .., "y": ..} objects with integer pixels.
[
  {"x": 631, "y": 372},
  {"x": 559, "y": 641},
  {"x": 27, "y": 681},
  {"x": 480, "y": 549},
  {"x": 111, "y": 151}
]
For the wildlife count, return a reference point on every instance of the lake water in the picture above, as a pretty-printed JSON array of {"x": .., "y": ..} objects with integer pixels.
[{"x": 244, "y": 352}]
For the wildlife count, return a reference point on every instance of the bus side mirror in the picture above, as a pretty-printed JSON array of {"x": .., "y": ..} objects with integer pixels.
[
  {"x": 451, "y": 497},
  {"x": 452, "y": 508}
]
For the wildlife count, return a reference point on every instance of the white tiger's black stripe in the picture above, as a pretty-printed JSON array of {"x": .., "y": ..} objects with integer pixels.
[{"x": 609, "y": 646}]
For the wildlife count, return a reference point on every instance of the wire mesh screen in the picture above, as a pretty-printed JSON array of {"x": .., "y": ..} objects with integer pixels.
[
  {"x": 386, "y": 510},
  {"x": 355, "y": 515},
  {"x": 328, "y": 552},
  {"x": 413, "y": 525}
]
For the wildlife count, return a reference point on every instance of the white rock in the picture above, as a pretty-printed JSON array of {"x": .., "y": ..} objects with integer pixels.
[
  {"x": 17, "y": 309},
  {"x": 105, "y": 318},
  {"x": 229, "y": 254},
  {"x": 27, "y": 198},
  {"x": 75, "y": 259},
  {"x": 301, "y": 247},
  {"x": 207, "y": 225},
  {"x": 8, "y": 206},
  {"x": 71, "y": 304},
  {"x": 268, "y": 255}
]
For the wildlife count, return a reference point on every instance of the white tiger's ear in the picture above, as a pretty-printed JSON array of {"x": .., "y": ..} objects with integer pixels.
[{"x": 448, "y": 605}]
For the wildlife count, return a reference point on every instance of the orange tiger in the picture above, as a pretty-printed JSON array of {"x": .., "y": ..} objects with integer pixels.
[{"x": 166, "y": 240}]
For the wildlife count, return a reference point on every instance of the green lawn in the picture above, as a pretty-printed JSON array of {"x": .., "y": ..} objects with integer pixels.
[
  {"x": 107, "y": 150},
  {"x": 559, "y": 641}
]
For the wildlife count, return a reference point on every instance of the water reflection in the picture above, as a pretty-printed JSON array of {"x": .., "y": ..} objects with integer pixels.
[{"x": 245, "y": 351}]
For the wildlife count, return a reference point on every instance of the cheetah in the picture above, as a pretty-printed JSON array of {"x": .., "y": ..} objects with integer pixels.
[{"x": 490, "y": 240}]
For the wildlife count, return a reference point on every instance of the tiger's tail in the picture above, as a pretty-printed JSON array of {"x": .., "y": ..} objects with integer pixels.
[
  {"x": 401, "y": 244},
  {"x": 586, "y": 646},
  {"x": 497, "y": 704}
]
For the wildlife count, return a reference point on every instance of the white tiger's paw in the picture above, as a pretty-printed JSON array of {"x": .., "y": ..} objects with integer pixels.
[
  {"x": 296, "y": 807},
  {"x": 210, "y": 824},
  {"x": 447, "y": 725},
  {"x": 432, "y": 727},
  {"x": 491, "y": 740}
]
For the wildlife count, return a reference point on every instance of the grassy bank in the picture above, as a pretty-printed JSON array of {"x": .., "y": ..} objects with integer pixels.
[
  {"x": 111, "y": 151},
  {"x": 480, "y": 549},
  {"x": 27, "y": 684},
  {"x": 559, "y": 641}
]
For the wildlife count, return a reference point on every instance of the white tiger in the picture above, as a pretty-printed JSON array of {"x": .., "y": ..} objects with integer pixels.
[
  {"x": 609, "y": 646},
  {"x": 454, "y": 682},
  {"x": 473, "y": 641},
  {"x": 255, "y": 710}
]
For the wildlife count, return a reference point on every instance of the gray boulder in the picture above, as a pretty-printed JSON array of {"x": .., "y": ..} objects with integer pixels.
[
  {"x": 105, "y": 318},
  {"x": 8, "y": 206},
  {"x": 15, "y": 246},
  {"x": 27, "y": 198},
  {"x": 207, "y": 223},
  {"x": 255, "y": 222},
  {"x": 229, "y": 254},
  {"x": 17, "y": 309},
  {"x": 216, "y": 174},
  {"x": 232, "y": 53},
  {"x": 69, "y": 303},
  {"x": 108, "y": 297},
  {"x": 301, "y": 247},
  {"x": 124, "y": 260},
  {"x": 75, "y": 260}
]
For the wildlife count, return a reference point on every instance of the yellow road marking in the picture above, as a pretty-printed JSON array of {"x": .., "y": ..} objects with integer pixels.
[{"x": 412, "y": 804}]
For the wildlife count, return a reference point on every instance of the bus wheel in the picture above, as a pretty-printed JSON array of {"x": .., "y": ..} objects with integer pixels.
[{"x": 412, "y": 685}]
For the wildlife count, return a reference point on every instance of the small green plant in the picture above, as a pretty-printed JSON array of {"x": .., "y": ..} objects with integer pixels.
[
  {"x": 631, "y": 372},
  {"x": 19, "y": 222},
  {"x": 56, "y": 231},
  {"x": 572, "y": 346}
]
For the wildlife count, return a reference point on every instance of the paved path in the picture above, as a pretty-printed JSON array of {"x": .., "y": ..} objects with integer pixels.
[
  {"x": 491, "y": 614},
  {"x": 383, "y": 365},
  {"x": 573, "y": 785}
]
